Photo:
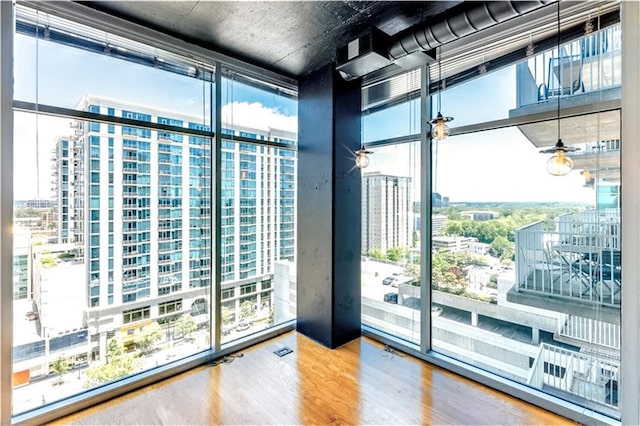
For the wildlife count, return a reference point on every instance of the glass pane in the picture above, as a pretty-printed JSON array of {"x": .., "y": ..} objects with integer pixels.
[
  {"x": 391, "y": 108},
  {"x": 391, "y": 197},
  {"x": 588, "y": 65},
  {"x": 492, "y": 93},
  {"x": 526, "y": 265},
  {"x": 258, "y": 191},
  {"x": 113, "y": 265},
  {"x": 113, "y": 72}
]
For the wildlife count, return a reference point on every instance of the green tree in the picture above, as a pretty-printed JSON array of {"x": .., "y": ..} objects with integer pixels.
[
  {"x": 454, "y": 227},
  {"x": 22, "y": 212},
  {"x": 227, "y": 315},
  {"x": 60, "y": 366},
  {"x": 449, "y": 271},
  {"x": 413, "y": 270},
  {"x": 395, "y": 254},
  {"x": 502, "y": 248},
  {"x": 247, "y": 309},
  {"x": 376, "y": 253},
  {"x": 118, "y": 364},
  {"x": 493, "y": 281},
  {"x": 148, "y": 336},
  {"x": 185, "y": 325},
  {"x": 48, "y": 262}
]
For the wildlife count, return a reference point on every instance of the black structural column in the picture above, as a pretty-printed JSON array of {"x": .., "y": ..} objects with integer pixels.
[{"x": 329, "y": 208}]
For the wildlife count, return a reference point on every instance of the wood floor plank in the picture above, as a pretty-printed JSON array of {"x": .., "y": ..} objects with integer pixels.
[{"x": 358, "y": 383}]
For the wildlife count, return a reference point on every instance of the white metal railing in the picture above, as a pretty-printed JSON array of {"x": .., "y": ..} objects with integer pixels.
[
  {"x": 579, "y": 260},
  {"x": 589, "y": 377},
  {"x": 587, "y": 64},
  {"x": 591, "y": 331}
]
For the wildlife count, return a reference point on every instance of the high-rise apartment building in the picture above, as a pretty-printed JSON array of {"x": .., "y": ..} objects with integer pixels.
[
  {"x": 60, "y": 178},
  {"x": 258, "y": 214},
  {"x": 140, "y": 205},
  {"x": 386, "y": 212},
  {"x": 21, "y": 263}
]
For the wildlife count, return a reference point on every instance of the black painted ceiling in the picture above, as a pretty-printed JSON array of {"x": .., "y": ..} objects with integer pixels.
[{"x": 289, "y": 37}]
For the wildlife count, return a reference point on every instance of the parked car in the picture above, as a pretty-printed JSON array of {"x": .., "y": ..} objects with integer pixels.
[
  {"x": 242, "y": 326},
  {"x": 388, "y": 280},
  {"x": 391, "y": 298}
]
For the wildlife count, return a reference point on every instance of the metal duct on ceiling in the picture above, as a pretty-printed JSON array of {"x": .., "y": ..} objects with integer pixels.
[{"x": 478, "y": 17}]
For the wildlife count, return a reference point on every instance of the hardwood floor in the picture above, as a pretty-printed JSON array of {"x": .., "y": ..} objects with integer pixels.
[{"x": 359, "y": 383}]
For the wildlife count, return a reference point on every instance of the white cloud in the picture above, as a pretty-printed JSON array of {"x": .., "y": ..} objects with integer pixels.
[{"x": 257, "y": 116}]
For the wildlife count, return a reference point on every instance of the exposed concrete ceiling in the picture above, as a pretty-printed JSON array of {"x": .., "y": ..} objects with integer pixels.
[{"x": 290, "y": 37}]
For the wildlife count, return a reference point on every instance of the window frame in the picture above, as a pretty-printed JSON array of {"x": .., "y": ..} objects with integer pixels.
[
  {"x": 627, "y": 406},
  {"x": 111, "y": 24}
]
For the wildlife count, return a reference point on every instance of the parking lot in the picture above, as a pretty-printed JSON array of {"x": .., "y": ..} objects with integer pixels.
[{"x": 373, "y": 273}]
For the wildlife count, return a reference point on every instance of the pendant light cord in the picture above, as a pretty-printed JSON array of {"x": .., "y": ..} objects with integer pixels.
[
  {"x": 559, "y": 71},
  {"x": 435, "y": 155},
  {"x": 440, "y": 80},
  {"x": 37, "y": 65}
]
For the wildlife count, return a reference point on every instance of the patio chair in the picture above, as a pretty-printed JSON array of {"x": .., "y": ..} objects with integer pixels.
[
  {"x": 599, "y": 271},
  {"x": 564, "y": 77},
  {"x": 609, "y": 270}
]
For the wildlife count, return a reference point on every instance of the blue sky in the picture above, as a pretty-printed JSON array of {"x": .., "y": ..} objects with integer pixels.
[
  {"x": 490, "y": 166},
  {"x": 66, "y": 74},
  {"x": 499, "y": 165}
]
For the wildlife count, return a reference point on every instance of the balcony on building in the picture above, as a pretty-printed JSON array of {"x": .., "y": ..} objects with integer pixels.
[
  {"x": 582, "y": 77},
  {"x": 583, "y": 377},
  {"x": 580, "y": 83},
  {"x": 573, "y": 267}
]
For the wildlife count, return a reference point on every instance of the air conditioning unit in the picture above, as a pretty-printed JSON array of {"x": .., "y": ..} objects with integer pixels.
[{"x": 363, "y": 55}]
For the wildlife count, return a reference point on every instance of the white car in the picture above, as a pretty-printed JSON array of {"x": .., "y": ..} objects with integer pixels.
[{"x": 242, "y": 326}]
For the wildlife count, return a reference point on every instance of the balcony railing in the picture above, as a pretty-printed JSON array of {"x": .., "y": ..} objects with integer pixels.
[
  {"x": 588, "y": 377},
  {"x": 592, "y": 332},
  {"x": 579, "y": 260},
  {"x": 588, "y": 64}
]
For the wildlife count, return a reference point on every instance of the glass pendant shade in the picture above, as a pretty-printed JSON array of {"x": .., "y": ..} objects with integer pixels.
[
  {"x": 440, "y": 130},
  {"x": 559, "y": 164},
  {"x": 362, "y": 159}
]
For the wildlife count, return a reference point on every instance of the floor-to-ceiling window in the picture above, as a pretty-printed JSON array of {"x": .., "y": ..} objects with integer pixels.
[
  {"x": 258, "y": 205},
  {"x": 391, "y": 197},
  {"x": 115, "y": 270},
  {"x": 525, "y": 271},
  {"x": 105, "y": 203},
  {"x": 526, "y": 266}
]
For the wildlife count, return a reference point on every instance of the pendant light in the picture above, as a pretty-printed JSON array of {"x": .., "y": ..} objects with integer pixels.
[
  {"x": 439, "y": 129},
  {"x": 559, "y": 164},
  {"x": 362, "y": 157}
]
